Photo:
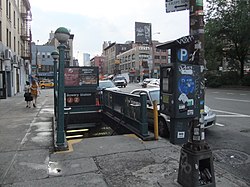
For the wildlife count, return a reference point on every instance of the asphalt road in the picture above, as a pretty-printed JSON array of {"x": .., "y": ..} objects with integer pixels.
[{"x": 229, "y": 139}]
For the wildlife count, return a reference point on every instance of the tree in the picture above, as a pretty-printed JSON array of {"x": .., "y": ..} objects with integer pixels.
[{"x": 227, "y": 32}]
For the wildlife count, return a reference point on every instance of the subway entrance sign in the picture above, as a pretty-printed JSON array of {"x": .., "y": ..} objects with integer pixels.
[{"x": 81, "y": 86}]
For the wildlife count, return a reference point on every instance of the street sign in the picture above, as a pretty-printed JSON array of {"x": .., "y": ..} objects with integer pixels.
[{"x": 176, "y": 5}]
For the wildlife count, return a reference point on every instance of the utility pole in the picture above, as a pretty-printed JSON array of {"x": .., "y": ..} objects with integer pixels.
[{"x": 196, "y": 160}]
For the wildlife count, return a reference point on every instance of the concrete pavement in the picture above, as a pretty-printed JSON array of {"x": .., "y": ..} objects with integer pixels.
[{"x": 27, "y": 157}]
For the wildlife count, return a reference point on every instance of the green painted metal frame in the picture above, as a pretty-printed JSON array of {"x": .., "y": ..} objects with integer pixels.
[
  {"x": 61, "y": 142},
  {"x": 127, "y": 110}
]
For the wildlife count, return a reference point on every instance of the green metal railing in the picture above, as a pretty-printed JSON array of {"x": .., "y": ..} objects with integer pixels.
[{"x": 130, "y": 110}]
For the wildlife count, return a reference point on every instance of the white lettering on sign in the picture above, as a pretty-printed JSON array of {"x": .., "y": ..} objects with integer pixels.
[
  {"x": 181, "y": 134},
  {"x": 72, "y": 95},
  {"x": 85, "y": 94},
  {"x": 87, "y": 71},
  {"x": 186, "y": 70},
  {"x": 144, "y": 48},
  {"x": 182, "y": 55},
  {"x": 185, "y": 40},
  {"x": 190, "y": 112}
]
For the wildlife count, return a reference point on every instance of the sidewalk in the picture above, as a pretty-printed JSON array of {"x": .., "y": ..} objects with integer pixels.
[{"x": 27, "y": 158}]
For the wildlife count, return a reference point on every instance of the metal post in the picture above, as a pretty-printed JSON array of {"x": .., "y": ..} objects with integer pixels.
[
  {"x": 55, "y": 88},
  {"x": 60, "y": 141},
  {"x": 197, "y": 30},
  {"x": 143, "y": 111},
  {"x": 156, "y": 125},
  {"x": 196, "y": 160}
]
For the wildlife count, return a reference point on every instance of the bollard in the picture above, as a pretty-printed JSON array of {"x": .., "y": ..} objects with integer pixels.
[{"x": 156, "y": 127}]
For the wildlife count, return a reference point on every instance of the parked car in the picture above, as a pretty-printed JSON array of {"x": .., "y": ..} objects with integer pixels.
[
  {"x": 154, "y": 83},
  {"x": 108, "y": 85},
  {"x": 120, "y": 81},
  {"x": 146, "y": 81},
  {"x": 163, "y": 119},
  {"x": 46, "y": 84}
]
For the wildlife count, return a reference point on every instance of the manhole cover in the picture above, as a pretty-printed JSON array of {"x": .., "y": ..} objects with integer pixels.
[{"x": 230, "y": 156}]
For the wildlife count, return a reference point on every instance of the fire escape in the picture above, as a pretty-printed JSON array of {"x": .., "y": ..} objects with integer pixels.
[{"x": 26, "y": 30}]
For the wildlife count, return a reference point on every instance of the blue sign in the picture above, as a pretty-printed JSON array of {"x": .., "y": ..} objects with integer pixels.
[
  {"x": 186, "y": 84},
  {"x": 182, "y": 55}
]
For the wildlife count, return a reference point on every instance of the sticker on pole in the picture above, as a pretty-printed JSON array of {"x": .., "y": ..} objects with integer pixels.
[
  {"x": 176, "y": 5},
  {"x": 181, "y": 134},
  {"x": 186, "y": 84}
]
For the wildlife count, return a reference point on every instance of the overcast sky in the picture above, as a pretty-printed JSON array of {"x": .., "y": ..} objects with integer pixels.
[{"x": 94, "y": 21}]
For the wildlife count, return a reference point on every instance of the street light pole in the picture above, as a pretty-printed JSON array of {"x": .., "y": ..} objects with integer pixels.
[
  {"x": 55, "y": 56},
  {"x": 62, "y": 35}
]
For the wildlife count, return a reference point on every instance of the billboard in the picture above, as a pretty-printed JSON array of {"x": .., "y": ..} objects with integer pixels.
[
  {"x": 143, "y": 32},
  {"x": 80, "y": 76}
]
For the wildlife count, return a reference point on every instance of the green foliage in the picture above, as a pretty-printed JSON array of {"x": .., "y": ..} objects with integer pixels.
[
  {"x": 213, "y": 46},
  {"x": 246, "y": 80},
  {"x": 217, "y": 79},
  {"x": 213, "y": 80},
  {"x": 230, "y": 78},
  {"x": 227, "y": 33}
]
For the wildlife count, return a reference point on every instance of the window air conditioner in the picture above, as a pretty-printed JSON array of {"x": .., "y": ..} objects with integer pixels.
[{"x": 7, "y": 54}]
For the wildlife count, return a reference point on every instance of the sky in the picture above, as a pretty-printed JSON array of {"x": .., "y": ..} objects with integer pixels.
[{"x": 94, "y": 21}]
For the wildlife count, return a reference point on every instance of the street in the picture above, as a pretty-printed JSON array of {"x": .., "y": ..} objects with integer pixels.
[{"x": 229, "y": 138}]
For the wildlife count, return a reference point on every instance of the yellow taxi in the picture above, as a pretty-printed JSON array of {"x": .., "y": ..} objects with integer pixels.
[{"x": 46, "y": 84}]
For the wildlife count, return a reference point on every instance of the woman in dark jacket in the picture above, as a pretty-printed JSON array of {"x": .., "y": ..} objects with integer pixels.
[{"x": 27, "y": 94}]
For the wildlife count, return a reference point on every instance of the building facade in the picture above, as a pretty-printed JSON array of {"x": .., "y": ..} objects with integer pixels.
[
  {"x": 86, "y": 59},
  {"x": 142, "y": 61},
  {"x": 15, "y": 51},
  {"x": 159, "y": 58},
  {"x": 98, "y": 61},
  {"x": 42, "y": 65},
  {"x": 110, "y": 52}
]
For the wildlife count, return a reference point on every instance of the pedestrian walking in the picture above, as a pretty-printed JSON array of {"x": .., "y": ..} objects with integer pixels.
[
  {"x": 34, "y": 91},
  {"x": 27, "y": 94}
]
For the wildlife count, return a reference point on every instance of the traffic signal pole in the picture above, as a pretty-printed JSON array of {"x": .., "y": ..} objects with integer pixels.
[{"x": 196, "y": 159}]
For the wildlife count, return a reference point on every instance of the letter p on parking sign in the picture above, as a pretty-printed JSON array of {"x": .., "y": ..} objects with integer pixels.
[{"x": 182, "y": 55}]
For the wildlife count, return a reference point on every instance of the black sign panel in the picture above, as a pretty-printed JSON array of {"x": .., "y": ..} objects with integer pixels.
[
  {"x": 80, "y": 99},
  {"x": 143, "y": 33},
  {"x": 80, "y": 76}
]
